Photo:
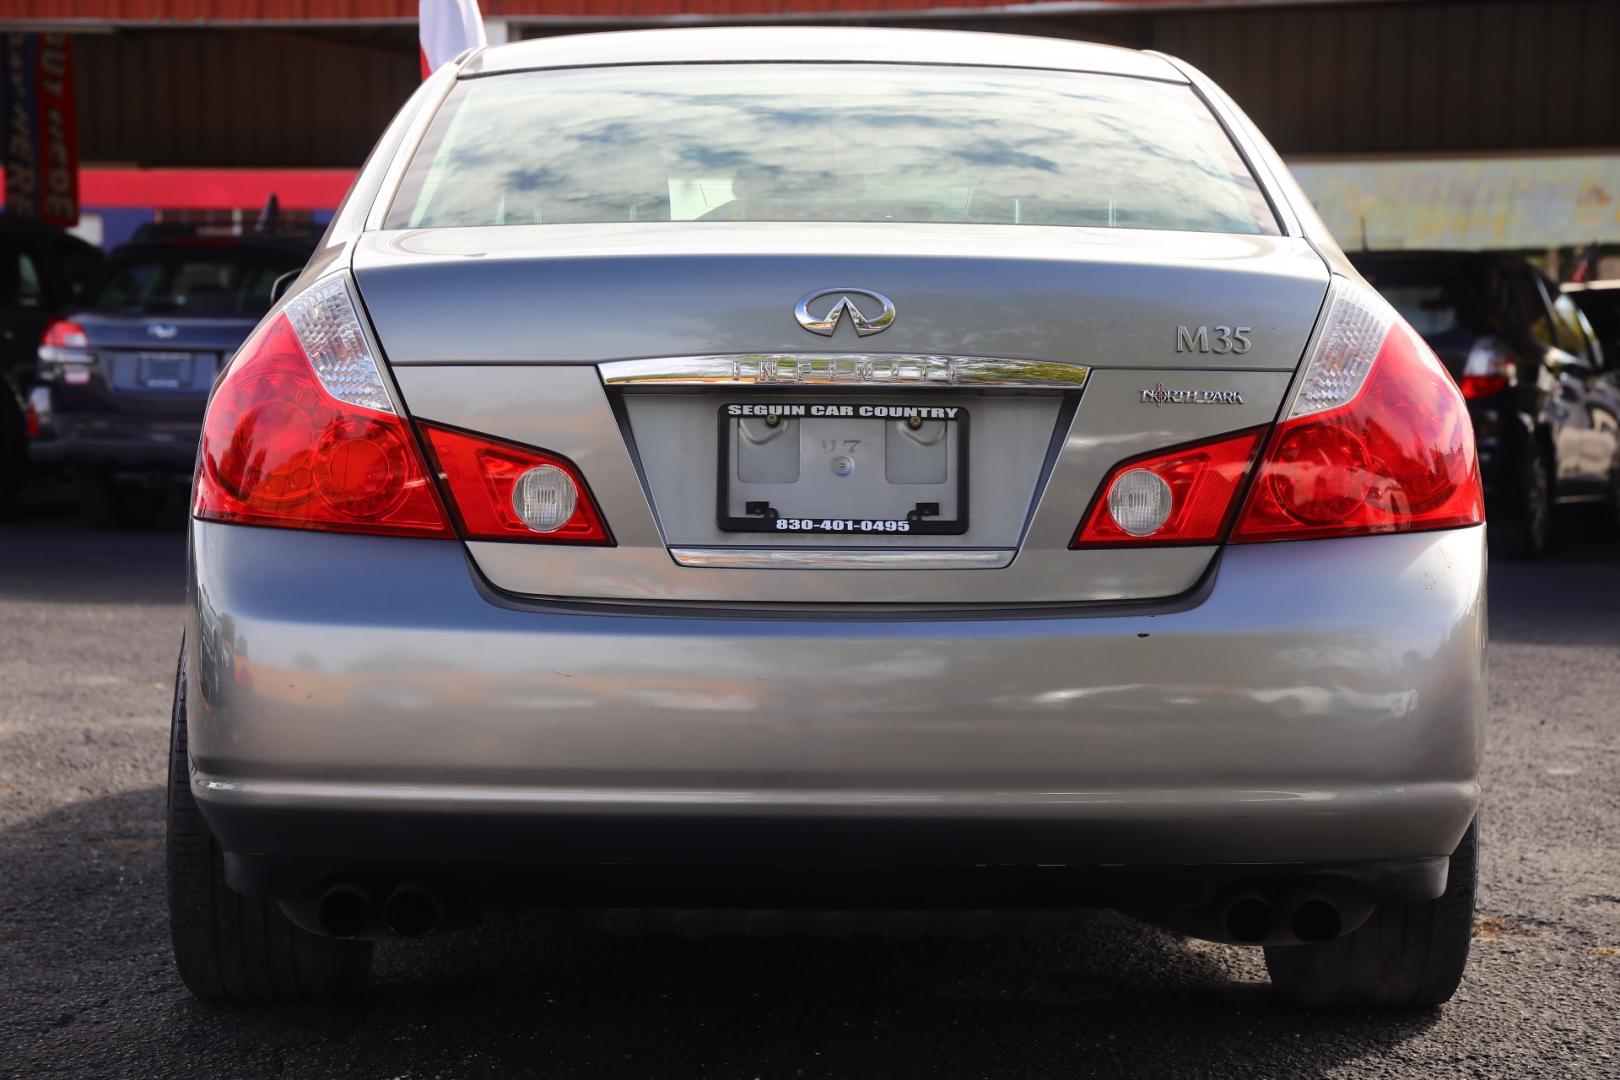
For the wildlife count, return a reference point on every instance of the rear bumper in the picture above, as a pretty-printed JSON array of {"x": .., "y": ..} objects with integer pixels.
[
  {"x": 147, "y": 439},
  {"x": 1501, "y": 433},
  {"x": 369, "y": 704}
]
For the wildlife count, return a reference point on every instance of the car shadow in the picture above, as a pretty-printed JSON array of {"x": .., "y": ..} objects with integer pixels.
[
  {"x": 1570, "y": 596},
  {"x": 49, "y": 552},
  {"x": 94, "y": 993}
]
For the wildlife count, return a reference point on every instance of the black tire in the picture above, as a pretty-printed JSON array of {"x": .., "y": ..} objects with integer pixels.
[
  {"x": 113, "y": 504},
  {"x": 230, "y": 947},
  {"x": 1522, "y": 534},
  {"x": 1406, "y": 956},
  {"x": 1606, "y": 518},
  {"x": 13, "y": 444}
]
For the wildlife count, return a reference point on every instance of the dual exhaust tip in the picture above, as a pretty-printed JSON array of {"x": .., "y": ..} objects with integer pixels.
[
  {"x": 410, "y": 909},
  {"x": 1252, "y": 919}
]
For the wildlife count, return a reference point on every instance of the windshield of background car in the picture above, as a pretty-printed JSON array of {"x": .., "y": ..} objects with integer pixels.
[
  {"x": 200, "y": 283},
  {"x": 828, "y": 142}
]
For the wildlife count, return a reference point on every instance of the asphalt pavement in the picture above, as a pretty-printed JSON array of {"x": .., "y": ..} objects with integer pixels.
[{"x": 89, "y": 628}]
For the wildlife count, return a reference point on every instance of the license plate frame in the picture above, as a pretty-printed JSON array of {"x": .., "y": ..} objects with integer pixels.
[
  {"x": 149, "y": 364},
  {"x": 913, "y": 522}
]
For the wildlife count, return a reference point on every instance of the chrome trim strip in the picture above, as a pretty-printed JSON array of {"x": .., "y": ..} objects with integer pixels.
[
  {"x": 757, "y": 558},
  {"x": 867, "y": 371}
]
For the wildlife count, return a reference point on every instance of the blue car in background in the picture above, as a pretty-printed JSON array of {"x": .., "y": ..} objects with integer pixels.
[{"x": 124, "y": 374}]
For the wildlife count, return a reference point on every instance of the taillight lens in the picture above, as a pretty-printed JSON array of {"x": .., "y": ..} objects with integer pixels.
[
  {"x": 1180, "y": 496},
  {"x": 301, "y": 433},
  {"x": 64, "y": 334},
  {"x": 1490, "y": 368},
  {"x": 64, "y": 352},
  {"x": 505, "y": 491},
  {"x": 1378, "y": 439}
]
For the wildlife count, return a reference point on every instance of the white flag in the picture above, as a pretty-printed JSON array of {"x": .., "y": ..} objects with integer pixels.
[{"x": 447, "y": 27}]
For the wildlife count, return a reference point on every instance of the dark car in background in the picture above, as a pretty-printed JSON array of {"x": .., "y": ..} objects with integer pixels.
[
  {"x": 41, "y": 271},
  {"x": 1543, "y": 390},
  {"x": 124, "y": 375},
  {"x": 1599, "y": 301}
]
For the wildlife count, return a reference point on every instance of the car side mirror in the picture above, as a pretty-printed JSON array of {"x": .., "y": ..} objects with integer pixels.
[{"x": 279, "y": 287}]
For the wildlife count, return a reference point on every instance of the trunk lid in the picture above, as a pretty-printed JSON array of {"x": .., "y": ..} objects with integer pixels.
[
  {"x": 523, "y": 333},
  {"x": 590, "y": 293},
  {"x": 155, "y": 355}
]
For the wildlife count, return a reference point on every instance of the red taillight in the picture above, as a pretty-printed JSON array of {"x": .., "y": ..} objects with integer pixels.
[
  {"x": 64, "y": 334},
  {"x": 1490, "y": 368},
  {"x": 1180, "y": 496},
  {"x": 300, "y": 433},
  {"x": 1379, "y": 439},
  {"x": 1481, "y": 386},
  {"x": 504, "y": 491}
]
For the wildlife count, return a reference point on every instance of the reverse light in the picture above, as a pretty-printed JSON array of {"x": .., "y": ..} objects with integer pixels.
[
  {"x": 301, "y": 432},
  {"x": 505, "y": 491},
  {"x": 1184, "y": 495},
  {"x": 1378, "y": 439}
]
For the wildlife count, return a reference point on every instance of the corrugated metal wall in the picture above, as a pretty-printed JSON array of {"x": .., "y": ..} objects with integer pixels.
[
  {"x": 240, "y": 97},
  {"x": 182, "y": 11},
  {"x": 1459, "y": 75},
  {"x": 1355, "y": 79}
]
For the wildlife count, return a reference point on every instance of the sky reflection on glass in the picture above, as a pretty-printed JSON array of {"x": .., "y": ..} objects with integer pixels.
[{"x": 828, "y": 142}]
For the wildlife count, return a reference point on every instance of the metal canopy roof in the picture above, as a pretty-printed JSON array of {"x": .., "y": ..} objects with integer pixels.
[{"x": 67, "y": 13}]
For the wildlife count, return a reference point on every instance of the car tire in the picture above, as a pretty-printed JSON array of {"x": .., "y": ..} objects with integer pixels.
[
  {"x": 13, "y": 444},
  {"x": 230, "y": 947},
  {"x": 1405, "y": 956},
  {"x": 1524, "y": 532},
  {"x": 1607, "y": 515}
]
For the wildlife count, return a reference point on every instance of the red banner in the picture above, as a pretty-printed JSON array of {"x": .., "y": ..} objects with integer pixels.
[{"x": 40, "y": 129}]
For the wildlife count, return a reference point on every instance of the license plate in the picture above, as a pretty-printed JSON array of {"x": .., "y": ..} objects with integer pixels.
[
  {"x": 164, "y": 371},
  {"x": 843, "y": 467}
]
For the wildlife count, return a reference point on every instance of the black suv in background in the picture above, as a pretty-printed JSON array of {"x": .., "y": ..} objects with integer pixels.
[
  {"x": 41, "y": 271},
  {"x": 1599, "y": 301},
  {"x": 124, "y": 375},
  {"x": 1543, "y": 393}
]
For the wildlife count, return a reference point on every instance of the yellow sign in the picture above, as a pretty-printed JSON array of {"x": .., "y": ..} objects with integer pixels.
[{"x": 1500, "y": 202}]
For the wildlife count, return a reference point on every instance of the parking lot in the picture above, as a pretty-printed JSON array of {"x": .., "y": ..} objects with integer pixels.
[{"x": 89, "y": 626}]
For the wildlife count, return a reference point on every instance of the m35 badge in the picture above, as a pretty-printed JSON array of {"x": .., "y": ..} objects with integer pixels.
[{"x": 1219, "y": 340}]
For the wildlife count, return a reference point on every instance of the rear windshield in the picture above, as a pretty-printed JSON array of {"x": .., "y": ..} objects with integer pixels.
[
  {"x": 828, "y": 142},
  {"x": 202, "y": 283},
  {"x": 1437, "y": 305}
]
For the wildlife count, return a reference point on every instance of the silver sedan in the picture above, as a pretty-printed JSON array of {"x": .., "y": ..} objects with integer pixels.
[{"x": 769, "y": 480}]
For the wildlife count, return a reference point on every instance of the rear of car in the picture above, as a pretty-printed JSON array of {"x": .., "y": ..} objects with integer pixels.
[
  {"x": 124, "y": 375},
  {"x": 41, "y": 272},
  {"x": 784, "y": 481}
]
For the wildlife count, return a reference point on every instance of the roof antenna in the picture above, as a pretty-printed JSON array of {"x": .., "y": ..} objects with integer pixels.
[{"x": 269, "y": 216}]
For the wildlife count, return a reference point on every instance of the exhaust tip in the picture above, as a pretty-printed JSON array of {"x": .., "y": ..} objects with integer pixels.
[
  {"x": 1249, "y": 920},
  {"x": 1317, "y": 920},
  {"x": 343, "y": 911},
  {"x": 412, "y": 911}
]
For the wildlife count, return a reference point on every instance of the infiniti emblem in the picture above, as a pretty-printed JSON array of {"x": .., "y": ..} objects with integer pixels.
[
  {"x": 163, "y": 331},
  {"x": 864, "y": 324}
]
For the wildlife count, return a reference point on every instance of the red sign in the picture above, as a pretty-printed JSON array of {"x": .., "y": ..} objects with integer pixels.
[{"x": 40, "y": 129}]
